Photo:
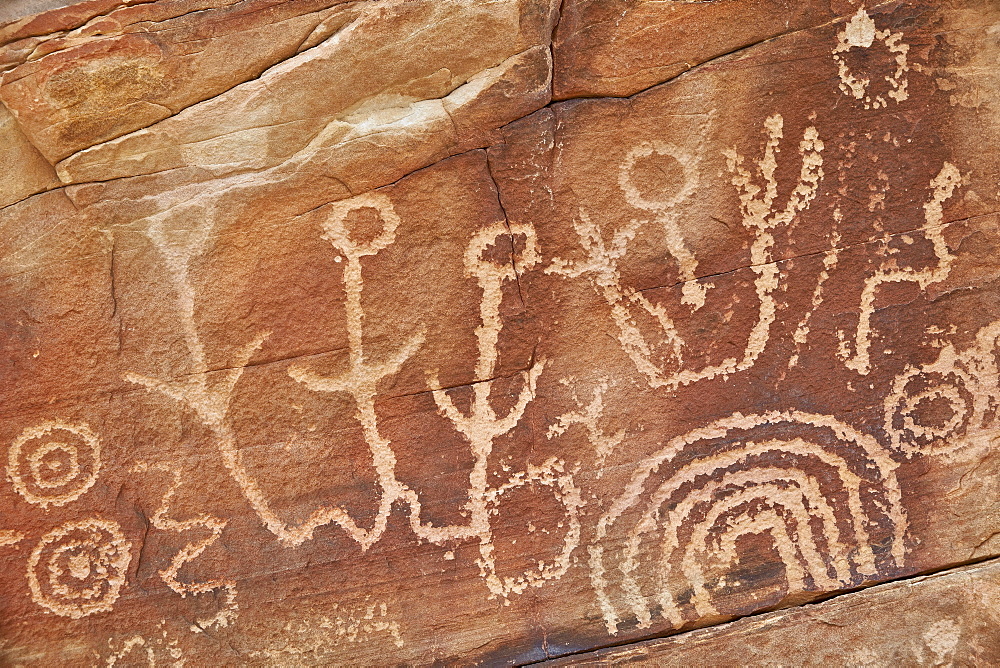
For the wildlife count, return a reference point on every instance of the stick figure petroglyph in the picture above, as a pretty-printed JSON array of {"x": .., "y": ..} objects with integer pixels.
[
  {"x": 480, "y": 427},
  {"x": 208, "y": 395},
  {"x": 363, "y": 376},
  {"x": 760, "y": 215},
  {"x": 588, "y": 416}
]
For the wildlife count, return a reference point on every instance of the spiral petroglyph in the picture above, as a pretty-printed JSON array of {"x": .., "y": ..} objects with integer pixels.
[
  {"x": 79, "y": 568},
  {"x": 822, "y": 492},
  {"x": 54, "y": 463},
  {"x": 947, "y": 407}
]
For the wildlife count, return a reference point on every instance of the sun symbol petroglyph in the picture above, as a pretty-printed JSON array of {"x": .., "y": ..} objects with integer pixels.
[
  {"x": 815, "y": 486},
  {"x": 760, "y": 215},
  {"x": 861, "y": 33},
  {"x": 192, "y": 550},
  {"x": 943, "y": 186},
  {"x": 54, "y": 463},
  {"x": 79, "y": 568},
  {"x": 949, "y": 406}
]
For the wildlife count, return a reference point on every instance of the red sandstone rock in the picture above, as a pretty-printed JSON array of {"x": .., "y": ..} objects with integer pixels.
[{"x": 331, "y": 338}]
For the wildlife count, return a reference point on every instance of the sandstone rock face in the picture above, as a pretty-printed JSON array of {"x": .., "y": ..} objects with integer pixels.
[
  {"x": 948, "y": 619},
  {"x": 495, "y": 330}
]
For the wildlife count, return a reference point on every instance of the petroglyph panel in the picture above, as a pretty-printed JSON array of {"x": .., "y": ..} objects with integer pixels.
[{"x": 376, "y": 347}]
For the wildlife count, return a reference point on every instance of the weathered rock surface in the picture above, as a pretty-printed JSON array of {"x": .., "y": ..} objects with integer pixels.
[
  {"x": 334, "y": 332},
  {"x": 942, "y": 620}
]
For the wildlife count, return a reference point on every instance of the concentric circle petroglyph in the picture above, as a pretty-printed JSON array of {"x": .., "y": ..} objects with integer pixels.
[
  {"x": 54, "y": 463},
  {"x": 79, "y": 568},
  {"x": 947, "y": 407}
]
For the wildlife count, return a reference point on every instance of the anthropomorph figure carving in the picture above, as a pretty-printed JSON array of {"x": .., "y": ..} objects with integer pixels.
[{"x": 761, "y": 215}]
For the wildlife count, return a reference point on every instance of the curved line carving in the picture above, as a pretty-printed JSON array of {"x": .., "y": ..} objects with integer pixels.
[{"x": 815, "y": 484}]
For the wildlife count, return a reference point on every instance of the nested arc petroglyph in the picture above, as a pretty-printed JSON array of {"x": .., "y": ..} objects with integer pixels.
[{"x": 821, "y": 489}]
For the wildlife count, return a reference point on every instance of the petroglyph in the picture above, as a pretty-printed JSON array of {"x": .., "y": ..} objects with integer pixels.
[
  {"x": 830, "y": 259},
  {"x": 10, "y": 537},
  {"x": 54, "y": 463},
  {"x": 317, "y": 639},
  {"x": 588, "y": 416},
  {"x": 79, "y": 568},
  {"x": 949, "y": 406},
  {"x": 192, "y": 550},
  {"x": 760, "y": 215},
  {"x": 667, "y": 211},
  {"x": 943, "y": 186},
  {"x": 815, "y": 485},
  {"x": 861, "y": 33},
  {"x": 363, "y": 376},
  {"x": 207, "y": 395},
  {"x": 156, "y": 649},
  {"x": 481, "y": 426}
]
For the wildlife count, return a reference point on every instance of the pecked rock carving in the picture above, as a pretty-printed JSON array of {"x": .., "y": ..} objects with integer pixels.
[{"x": 497, "y": 331}]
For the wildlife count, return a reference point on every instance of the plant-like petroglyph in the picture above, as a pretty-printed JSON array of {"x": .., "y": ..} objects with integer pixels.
[
  {"x": 817, "y": 487},
  {"x": 361, "y": 379},
  {"x": 206, "y": 393},
  {"x": 943, "y": 186},
  {"x": 760, "y": 215},
  {"x": 79, "y": 568},
  {"x": 861, "y": 33},
  {"x": 54, "y": 463},
  {"x": 192, "y": 550},
  {"x": 949, "y": 406},
  {"x": 830, "y": 259},
  {"x": 589, "y": 416},
  {"x": 482, "y": 426}
]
